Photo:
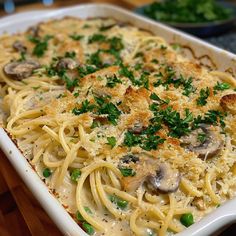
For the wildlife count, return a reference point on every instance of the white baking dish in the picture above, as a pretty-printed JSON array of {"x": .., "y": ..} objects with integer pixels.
[{"x": 221, "y": 59}]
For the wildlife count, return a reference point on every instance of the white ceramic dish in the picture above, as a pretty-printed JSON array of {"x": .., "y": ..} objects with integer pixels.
[{"x": 220, "y": 59}]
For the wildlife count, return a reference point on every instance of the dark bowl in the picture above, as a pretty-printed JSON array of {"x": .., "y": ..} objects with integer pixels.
[{"x": 205, "y": 29}]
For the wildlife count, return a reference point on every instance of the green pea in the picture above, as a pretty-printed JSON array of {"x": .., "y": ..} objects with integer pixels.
[
  {"x": 187, "y": 219},
  {"x": 88, "y": 210},
  {"x": 47, "y": 172},
  {"x": 122, "y": 204},
  {"x": 88, "y": 228},
  {"x": 75, "y": 174},
  {"x": 79, "y": 217}
]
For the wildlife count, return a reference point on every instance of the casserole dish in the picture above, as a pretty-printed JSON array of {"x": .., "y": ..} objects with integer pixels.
[{"x": 207, "y": 54}]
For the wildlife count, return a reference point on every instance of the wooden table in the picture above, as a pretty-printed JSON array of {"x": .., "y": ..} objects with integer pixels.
[
  {"x": 129, "y": 4},
  {"x": 20, "y": 213}
]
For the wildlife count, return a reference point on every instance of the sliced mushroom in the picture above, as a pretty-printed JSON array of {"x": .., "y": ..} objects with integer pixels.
[
  {"x": 159, "y": 177},
  {"x": 165, "y": 180},
  {"x": 66, "y": 63},
  {"x": 210, "y": 145},
  {"x": 19, "y": 46},
  {"x": 228, "y": 102},
  {"x": 20, "y": 70},
  {"x": 129, "y": 158}
]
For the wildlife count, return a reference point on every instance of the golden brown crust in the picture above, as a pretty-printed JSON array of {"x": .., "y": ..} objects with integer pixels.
[{"x": 228, "y": 103}]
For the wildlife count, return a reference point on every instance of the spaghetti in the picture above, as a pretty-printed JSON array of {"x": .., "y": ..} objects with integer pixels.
[{"x": 132, "y": 137}]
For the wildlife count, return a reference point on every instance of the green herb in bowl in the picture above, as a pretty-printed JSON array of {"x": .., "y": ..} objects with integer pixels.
[{"x": 187, "y": 11}]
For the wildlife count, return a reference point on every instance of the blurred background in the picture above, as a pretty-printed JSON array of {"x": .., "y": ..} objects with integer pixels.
[{"x": 11, "y": 6}]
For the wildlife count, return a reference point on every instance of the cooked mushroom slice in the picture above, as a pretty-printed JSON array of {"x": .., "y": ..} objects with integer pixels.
[
  {"x": 228, "y": 102},
  {"x": 19, "y": 46},
  {"x": 158, "y": 177},
  {"x": 66, "y": 63},
  {"x": 129, "y": 158},
  {"x": 203, "y": 141},
  {"x": 20, "y": 70},
  {"x": 166, "y": 179}
]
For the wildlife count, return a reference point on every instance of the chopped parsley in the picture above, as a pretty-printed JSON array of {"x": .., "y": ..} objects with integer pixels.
[
  {"x": 212, "y": 117},
  {"x": 41, "y": 45},
  {"x": 147, "y": 140},
  {"x": 177, "y": 81},
  {"x": 76, "y": 37},
  {"x": 76, "y": 94},
  {"x": 111, "y": 141},
  {"x": 70, "y": 83},
  {"x": 124, "y": 71},
  {"x": 22, "y": 56},
  {"x": 221, "y": 87},
  {"x": 115, "y": 46},
  {"x": 107, "y": 108},
  {"x": 95, "y": 124},
  {"x": 177, "y": 126},
  {"x": 202, "y": 99},
  {"x": 112, "y": 81},
  {"x": 106, "y": 27},
  {"x": 131, "y": 139},
  {"x": 142, "y": 81},
  {"x": 97, "y": 38},
  {"x": 62, "y": 74},
  {"x": 151, "y": 142},
  {"x": 86, "y": 26},
  {"x": 155, "y": 61},
  {"x": 201, "y": 137},
  {"x": 188, "y": 87},
  {"x": 85, "y": 107},
  {"x": 139, "y": 54},
  {"x": 163, "y": 47},
  {"x": 138, "y": 66},
  {"x": 71, "y": 54},
  {"x": 94, "y": 59},
  {"x": 127, "y": 172},
  {"x": 85, "y": 70},
  {"x": 160, "y": 101}
]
